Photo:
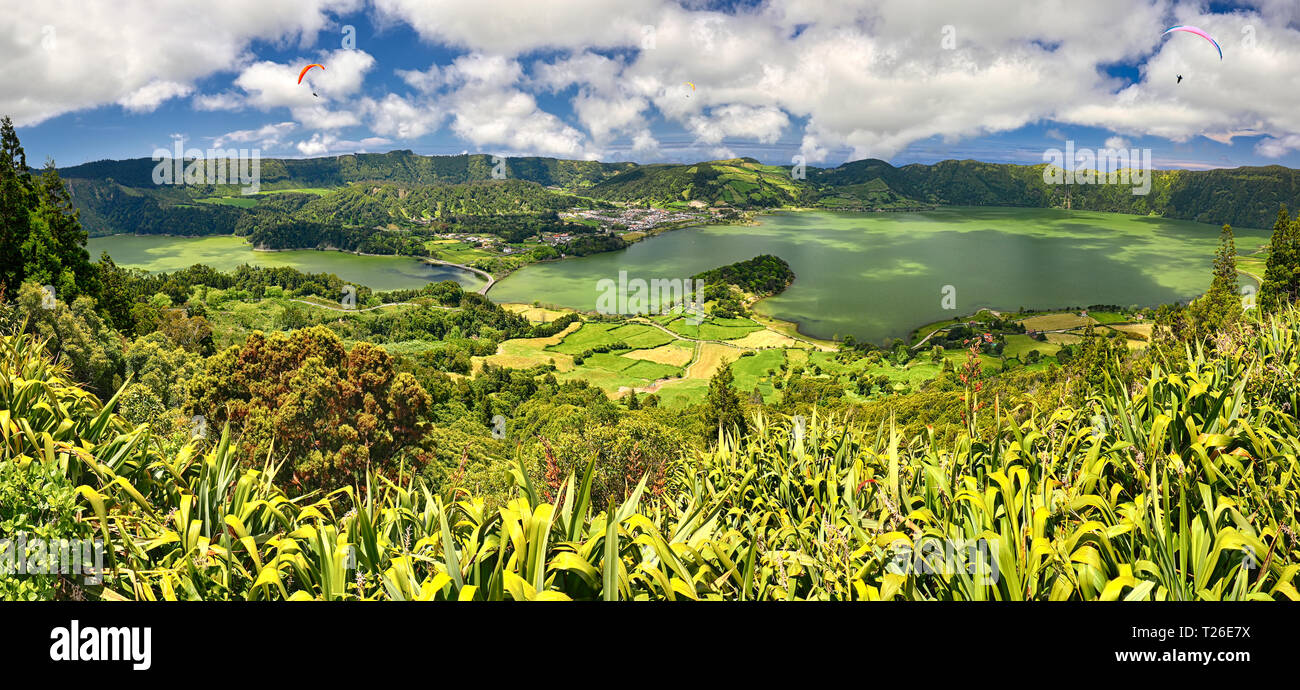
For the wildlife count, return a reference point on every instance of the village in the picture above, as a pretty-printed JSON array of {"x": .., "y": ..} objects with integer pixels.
[{"x": 621, "y": 222}]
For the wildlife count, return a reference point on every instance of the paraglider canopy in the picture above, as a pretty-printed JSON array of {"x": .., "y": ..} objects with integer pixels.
[
  {"x": 1197, "y": 32},
  {"x": 303, "y": 73}
]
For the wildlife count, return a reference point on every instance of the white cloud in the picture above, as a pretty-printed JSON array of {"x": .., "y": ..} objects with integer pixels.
[
  {"x": 226, "y": 100},
  {"x": 267, "y": 137},
  {"x": 64, "y": 55},
  {"x": 760, "y": 123},
  {"x": 863, "y": 79},
  {"x": 1279, "y": 146},
  {"x": 644, "y": 143},
  {"x": 1117, "y": 143},
  {"x": 488, "y": 109},
  {"x": 401, "y": 117},
  {"x": 510, "y": 27},
  {"x": 273, "y": 84},
  {"x": 148, "y": 97},
  {"x": 425, "y": 81},
  {"x": 322, "y": 143}
]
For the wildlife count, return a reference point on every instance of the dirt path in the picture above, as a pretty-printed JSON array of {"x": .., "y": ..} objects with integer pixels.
[
  {"x": 659, "y": 383},
  {"x": 679, "y": 336}
]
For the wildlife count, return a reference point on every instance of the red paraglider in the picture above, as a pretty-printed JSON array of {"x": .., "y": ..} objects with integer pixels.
[{"x": 303, "y": 73}]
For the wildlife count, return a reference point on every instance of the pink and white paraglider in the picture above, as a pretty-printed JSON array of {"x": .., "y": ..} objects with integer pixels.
[{"x": 1197, "y": 32}]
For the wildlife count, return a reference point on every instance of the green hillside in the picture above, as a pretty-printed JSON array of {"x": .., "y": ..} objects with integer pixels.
[
  {"x": 120, "y": 196},
  {"x": 741, "y": 182}
]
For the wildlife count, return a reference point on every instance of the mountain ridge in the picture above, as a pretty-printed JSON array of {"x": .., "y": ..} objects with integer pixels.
[{"x": 1246, "y": 196}]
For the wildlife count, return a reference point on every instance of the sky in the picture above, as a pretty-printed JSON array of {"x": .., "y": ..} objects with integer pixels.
[{"x": 651, "y": 81}]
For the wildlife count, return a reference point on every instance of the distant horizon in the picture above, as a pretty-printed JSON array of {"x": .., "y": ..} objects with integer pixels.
[{"x": 412, "y": 152}]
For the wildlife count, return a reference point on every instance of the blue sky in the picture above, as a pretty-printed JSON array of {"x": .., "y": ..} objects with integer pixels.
[{"x": 831, "y": 81}]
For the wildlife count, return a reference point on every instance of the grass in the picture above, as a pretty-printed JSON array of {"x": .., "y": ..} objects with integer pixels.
[
  {"x": 677, "y": 353},
  {"x": 712, "y": 328},
  {"x": 1107, "y": 317},
  {"x": 1135, "y": 331},
  {"x": 927, "y": 329},
  {"x": 457, "y": 252},
  {"x": 751, "y": 372},
  {"x": 1063, "y": 338},
  {"x": 712, "y": 357},
  {"x": 318, "y": 191},
  {"x": 683, "y": 393},
  {"x": 532, "y": 313},
  {"x": 769, "y": 339},
  {"x": 240, "y": 201},
  {"x": 1055, "y": 322},
  {"x": 1018, "y": 346},
  {"x": 593, "y": 335}
]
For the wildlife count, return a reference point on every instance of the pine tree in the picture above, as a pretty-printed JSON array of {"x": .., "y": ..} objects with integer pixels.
[
  {"x": 1281, "y": 284},
  {"x": 722, "y": 407},
  {"x": 76, "y": 274},
  {"x": 16, "y": 201},
  {"x": 1220, "y": 307}
]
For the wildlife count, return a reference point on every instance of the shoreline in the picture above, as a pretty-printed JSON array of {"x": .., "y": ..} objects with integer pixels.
[{"x": 750, "y": 218}]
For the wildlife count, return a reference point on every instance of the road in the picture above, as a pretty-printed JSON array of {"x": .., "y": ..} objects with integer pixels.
[{"x": 483, "y": 290}]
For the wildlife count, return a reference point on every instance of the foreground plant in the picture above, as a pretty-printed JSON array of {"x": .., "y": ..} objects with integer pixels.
[{"x": 1182, "y": 488}]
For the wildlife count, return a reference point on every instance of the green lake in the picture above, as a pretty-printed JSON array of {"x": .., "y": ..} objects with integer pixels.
[
  {"x": 156, "y": 253},
  {"x": 879, "y": 275}
]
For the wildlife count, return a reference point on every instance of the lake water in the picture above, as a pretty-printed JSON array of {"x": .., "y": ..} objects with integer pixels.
[
  {"x": 156, "y": 253},
  {"x": 879, "y": 275}
]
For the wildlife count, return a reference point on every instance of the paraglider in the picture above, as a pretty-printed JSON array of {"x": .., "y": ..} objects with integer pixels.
[
  {"x": 1180, "y": 79},
  {"x": 692, "y": 85},
  {"x": 1197, "y": 32},
  {"x": 303, "y": 73}
]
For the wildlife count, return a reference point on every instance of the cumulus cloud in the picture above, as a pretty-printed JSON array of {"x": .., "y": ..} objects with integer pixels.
[
  {"x": 490, "y": 110},
  {"x": 872, "y": 78},
  {"x": 833, "y": 79},
  {"x": 273, "y": 84},
  {"x": 148, "y": 97},
  {"x": 322, "y": 143},
  {"x": 267, "y": 137},
  {"x": 226, "y": 100},
  {"x": 63, "y": 55},
  {"x": 1277, "y": 147},
  {"x": 760, "y": 123},
  {"x": 401, "y": 117},
  {"x": 511, "y": 27}
]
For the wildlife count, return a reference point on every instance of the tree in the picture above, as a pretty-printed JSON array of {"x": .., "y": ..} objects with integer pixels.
[
  {"x": 722, "y": 407},
  {"x": 16, "y": 201},
  {"x": 160, "y": 377},
  {"x": 41, "y": 238},
  {"x": 76, "y": 335},
  {"x": 1281, "y": 284},
  {"x": 1094, "y": 353},
  {"x": 332, "y": 412},
  {"x": 1220, "y": 307},
  {"x": 70, "y": 270}
]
